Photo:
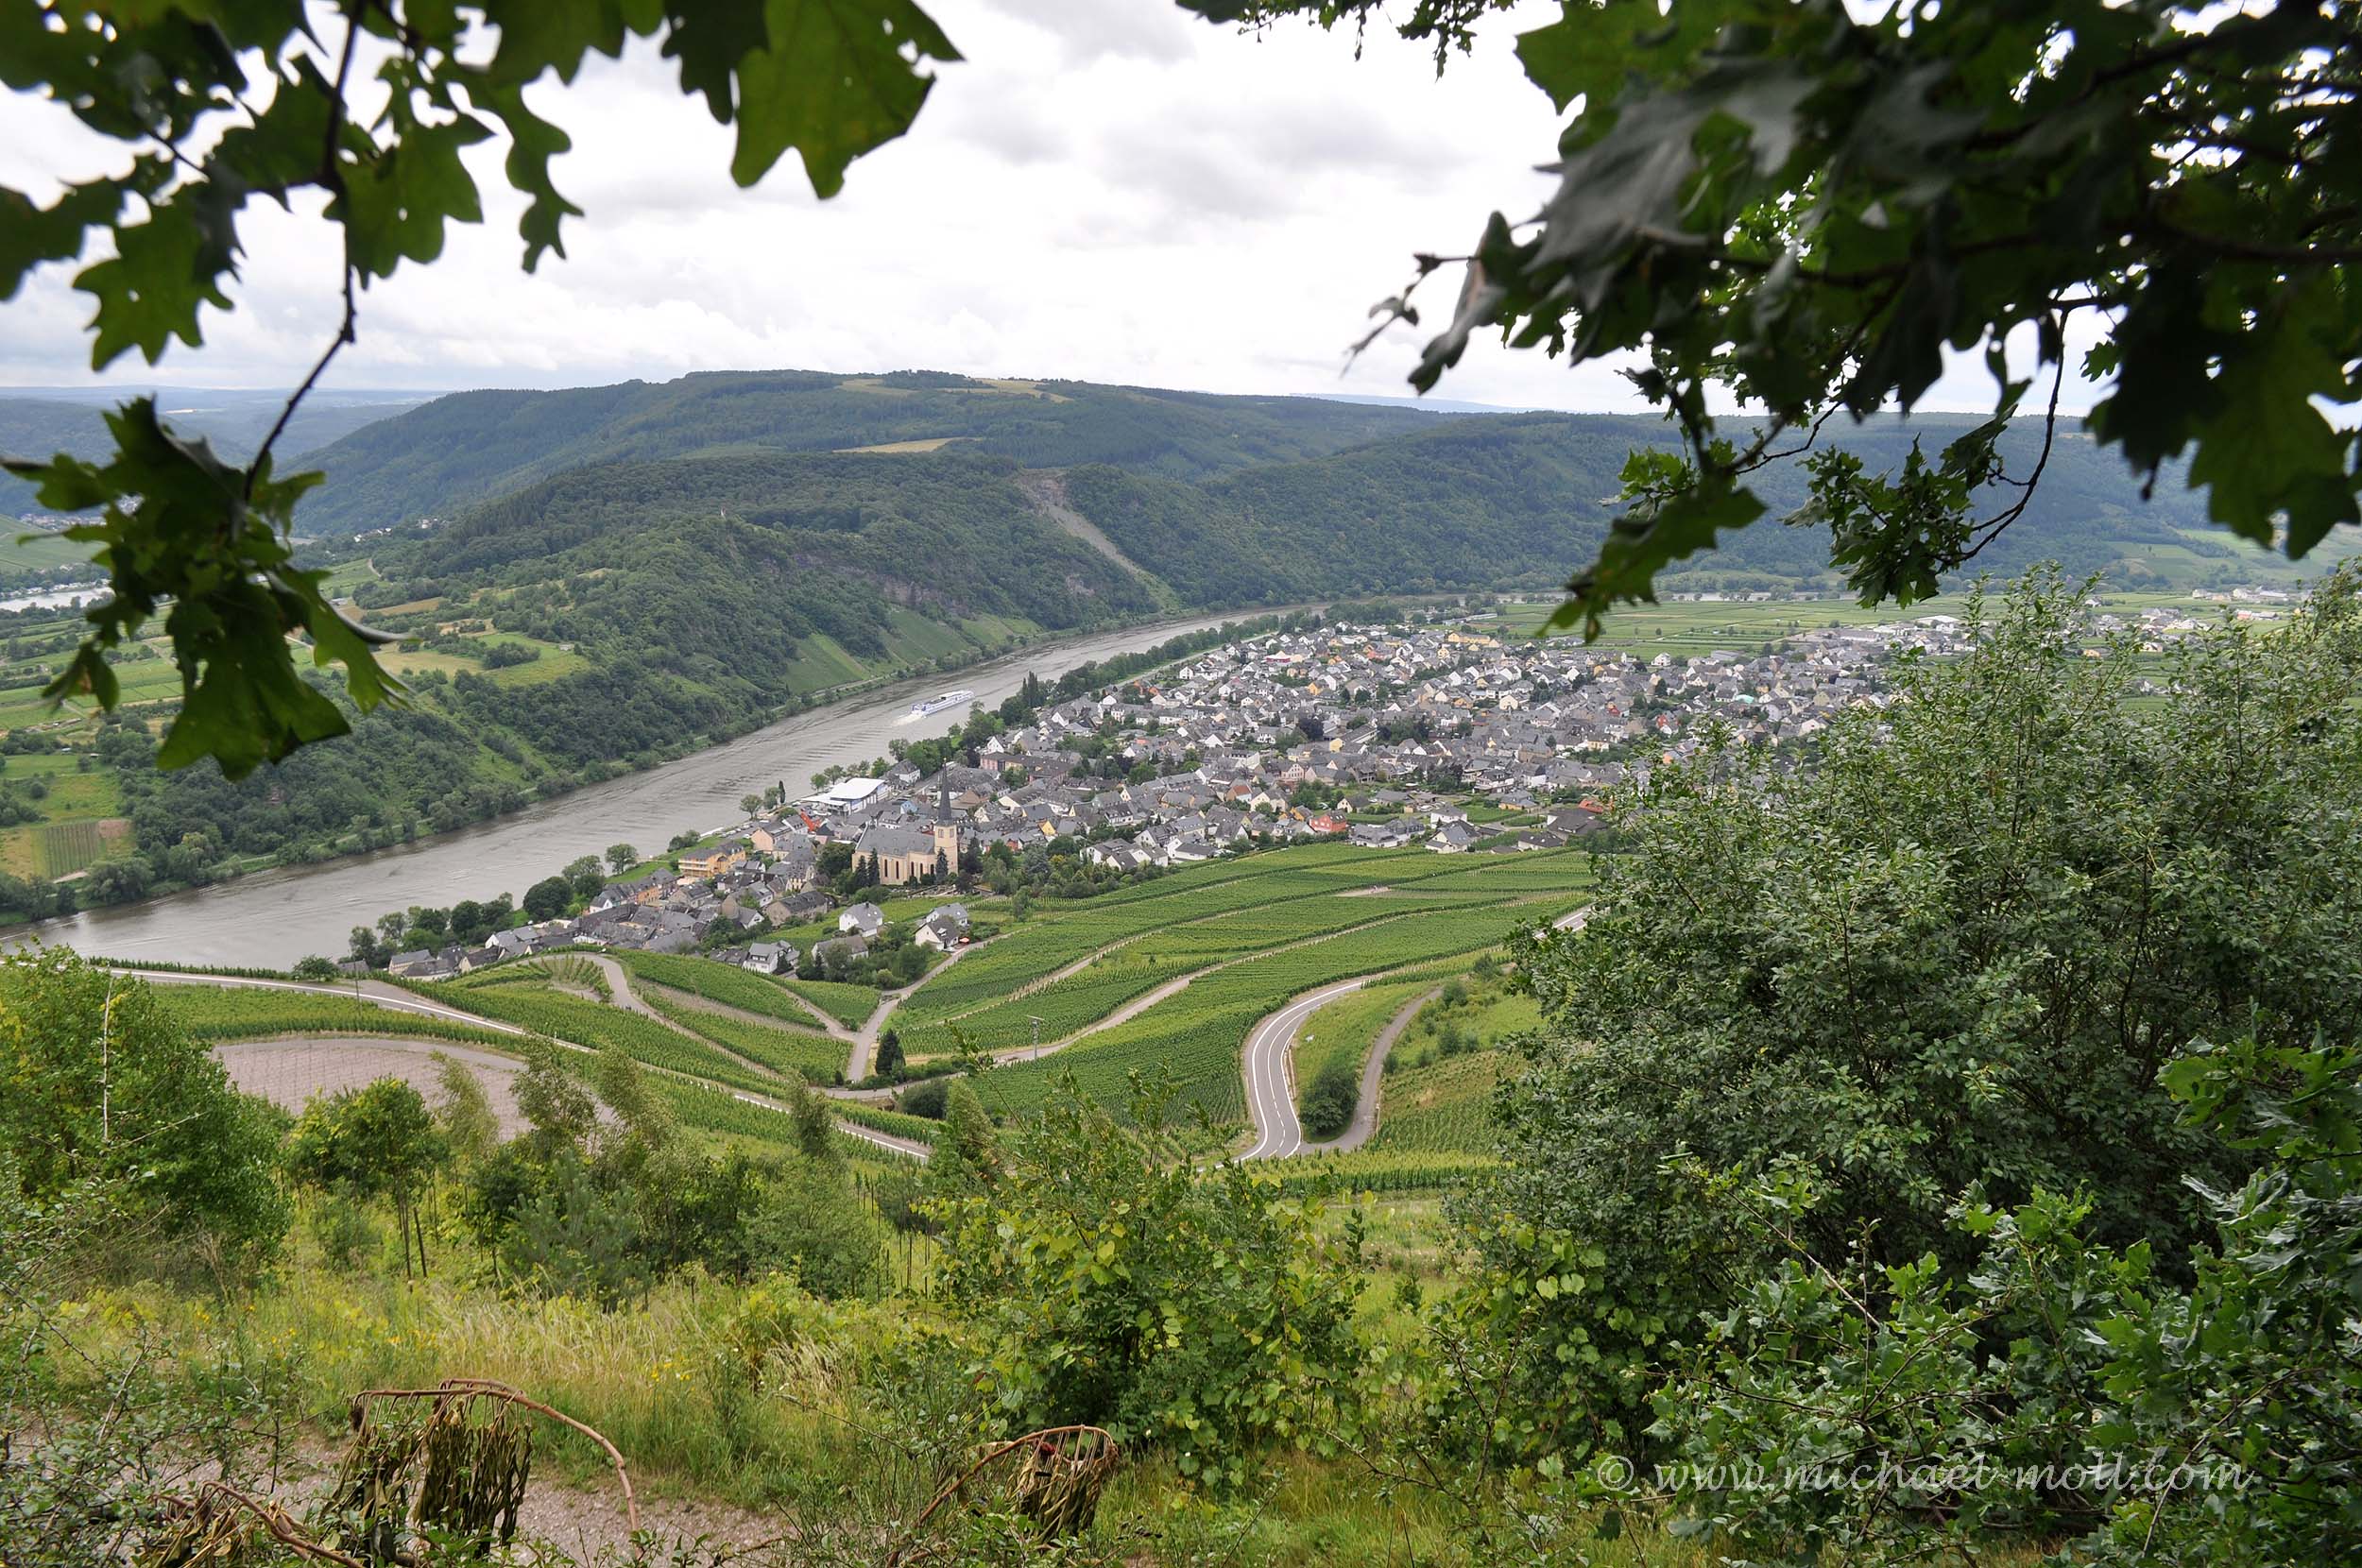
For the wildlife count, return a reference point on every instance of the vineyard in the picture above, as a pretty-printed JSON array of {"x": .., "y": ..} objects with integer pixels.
[
  {"x": 895, "y": 1123},
  {"x": 534, "y": 1005},
  {"x": 850, "y": 1005},
  {"x": 214, "y": 1012},
  {"x": 1074, "y": 932},
  {"x": 65, "y": 847},
  {"x": 1194, "y": 1035},
  {"x": 1443, "y": 1107},
  {"x": 1346, "y": 1029},
  {"x": 805, "y": 1054},
  {"x": 1378, "y": 1170},
  {"x": 729, "y": 986}
]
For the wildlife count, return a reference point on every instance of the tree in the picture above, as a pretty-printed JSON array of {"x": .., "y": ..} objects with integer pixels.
[
  {"x": 549, "y": 897},
  {"x": 379, "y": 1141},
  {"x": 1115, "y": 1282},
  {"x": 816, "y": 1132},
  {"x": 751, "y": 806},
  {"x": 967, "y": 1155},
  {"x": 812, "y": 1225},
  {"x": 1328, "y": 1102},
  {"x": 621, "y": 858},
  {"x": 471, "y": 1129},
  {"x": 586, "y": 876},
  {"x": 104, "y": 1086},
  {"x": 890, "y": 1061},
  {"x": 554, "y": 1103},
  {"x": 1953, "y": 960},
  {"x": 315, "y": 968},
  {"x": 1799, "y": 208}
]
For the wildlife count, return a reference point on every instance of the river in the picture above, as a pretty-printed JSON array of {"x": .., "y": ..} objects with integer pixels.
[{"x": 272, "y": 918}]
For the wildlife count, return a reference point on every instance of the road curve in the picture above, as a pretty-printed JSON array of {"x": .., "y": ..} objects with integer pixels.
[{"x": 1268, "y": 1061}]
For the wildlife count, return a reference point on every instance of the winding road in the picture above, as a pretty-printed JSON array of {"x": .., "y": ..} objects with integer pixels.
[{"x": 1269, "y": 1062}]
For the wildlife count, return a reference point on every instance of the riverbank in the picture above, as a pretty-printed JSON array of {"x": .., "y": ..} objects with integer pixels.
[{"x": 273, "y": 918}]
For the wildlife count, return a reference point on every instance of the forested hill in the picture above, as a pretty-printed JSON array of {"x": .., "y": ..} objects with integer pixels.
[
  {"x": 1525, "y": 500},
  {"x": 724, "y": 568},
  {"x": 32, "y": 425},
  {"x": 437, "y": 460}
]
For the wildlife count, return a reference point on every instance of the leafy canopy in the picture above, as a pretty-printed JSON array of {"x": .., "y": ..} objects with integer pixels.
[
  {"x": 1964, "y": 958},
  {"x": 1803, "y": 207},
  {"x": 221, "y": 103}
]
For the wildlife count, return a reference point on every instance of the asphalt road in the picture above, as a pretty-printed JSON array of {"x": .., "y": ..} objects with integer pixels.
[{"x": 1269, "y": 1065}]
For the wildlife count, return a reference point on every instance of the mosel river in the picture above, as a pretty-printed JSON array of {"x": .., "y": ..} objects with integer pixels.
[{"x": 273, "y": 918}]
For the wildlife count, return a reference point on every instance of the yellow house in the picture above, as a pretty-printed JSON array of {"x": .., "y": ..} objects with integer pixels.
[{"x": 712, "y": 862}]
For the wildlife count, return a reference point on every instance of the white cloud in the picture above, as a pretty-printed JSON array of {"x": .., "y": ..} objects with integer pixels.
[{"x": 1106, "y": 190}]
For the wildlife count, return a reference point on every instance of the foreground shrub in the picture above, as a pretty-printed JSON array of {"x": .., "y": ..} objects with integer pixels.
[{"x": 1115, "y": 1282}]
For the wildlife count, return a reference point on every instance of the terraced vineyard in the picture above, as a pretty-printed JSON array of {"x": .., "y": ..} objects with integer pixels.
[
  {"x": 729, "y": 984},
  {"x": 807, "y": 1053},
  {"x": 1440, "y": 1107},
  {"x": 1195, "y": 1034},
  {"x": 214, "y": 1012},
  {"x": 535, "y": 1005},
  {"x": 850, "y": 1005},
  {"x": 1032, "y": 952}
]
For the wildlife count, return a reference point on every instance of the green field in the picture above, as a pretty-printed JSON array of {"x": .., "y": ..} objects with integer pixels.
[
  {"x": 1191, "y": 1039},
  {"x": 23, "y": 551},
  {"x": 1442, "y": 1107}
]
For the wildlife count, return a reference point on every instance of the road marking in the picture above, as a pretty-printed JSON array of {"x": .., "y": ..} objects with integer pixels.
[{"x": 1268, "y": 1060}]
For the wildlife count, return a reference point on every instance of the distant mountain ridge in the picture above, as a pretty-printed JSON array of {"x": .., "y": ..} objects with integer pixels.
[{"x": 472, "y": 446}]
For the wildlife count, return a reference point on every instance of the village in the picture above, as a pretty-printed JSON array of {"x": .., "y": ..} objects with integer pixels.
[{"x": 1450, "y": 734}]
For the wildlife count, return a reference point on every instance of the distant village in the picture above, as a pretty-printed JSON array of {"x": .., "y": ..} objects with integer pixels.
[{"x": 1383, "y": 736}]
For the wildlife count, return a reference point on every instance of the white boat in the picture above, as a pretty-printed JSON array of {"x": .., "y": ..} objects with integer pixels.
[{"x": 936, "y": 705}]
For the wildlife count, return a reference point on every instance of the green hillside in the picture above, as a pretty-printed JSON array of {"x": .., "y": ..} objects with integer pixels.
[
  {"x": 1525, "y": 500},
  {"x": 235, "y": 421},
  {"x": 473, "y": 446}
]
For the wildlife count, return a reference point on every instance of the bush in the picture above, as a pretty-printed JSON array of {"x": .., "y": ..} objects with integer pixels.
[
  {"x": 1327, "y": 1108},
  {"x": 1115, "y": 1282},
  {"x": 927, "y": 1098}
]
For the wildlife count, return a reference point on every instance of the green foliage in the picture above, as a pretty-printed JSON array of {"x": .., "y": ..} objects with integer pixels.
[
  {"x": 1328, "y": 1100},
  {"x": 215, "y": 543},
  {"x": 457, "y": 451},
  {"x": 2058, "y": 1385},
  {"x": 1952, "y": 960},
  {"x": 811, "y": 1228},
  {"x": 379, "y": 1141},
  {"x": 830, "y": 78},
  {"x": 1804, "y": 207},
  {"x": 103, "y": 1085},
  {"x": 1116, "y": 1283}
]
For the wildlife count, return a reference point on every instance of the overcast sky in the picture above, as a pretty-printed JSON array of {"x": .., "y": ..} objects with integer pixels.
[{"x": 1106, "y": 190}]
